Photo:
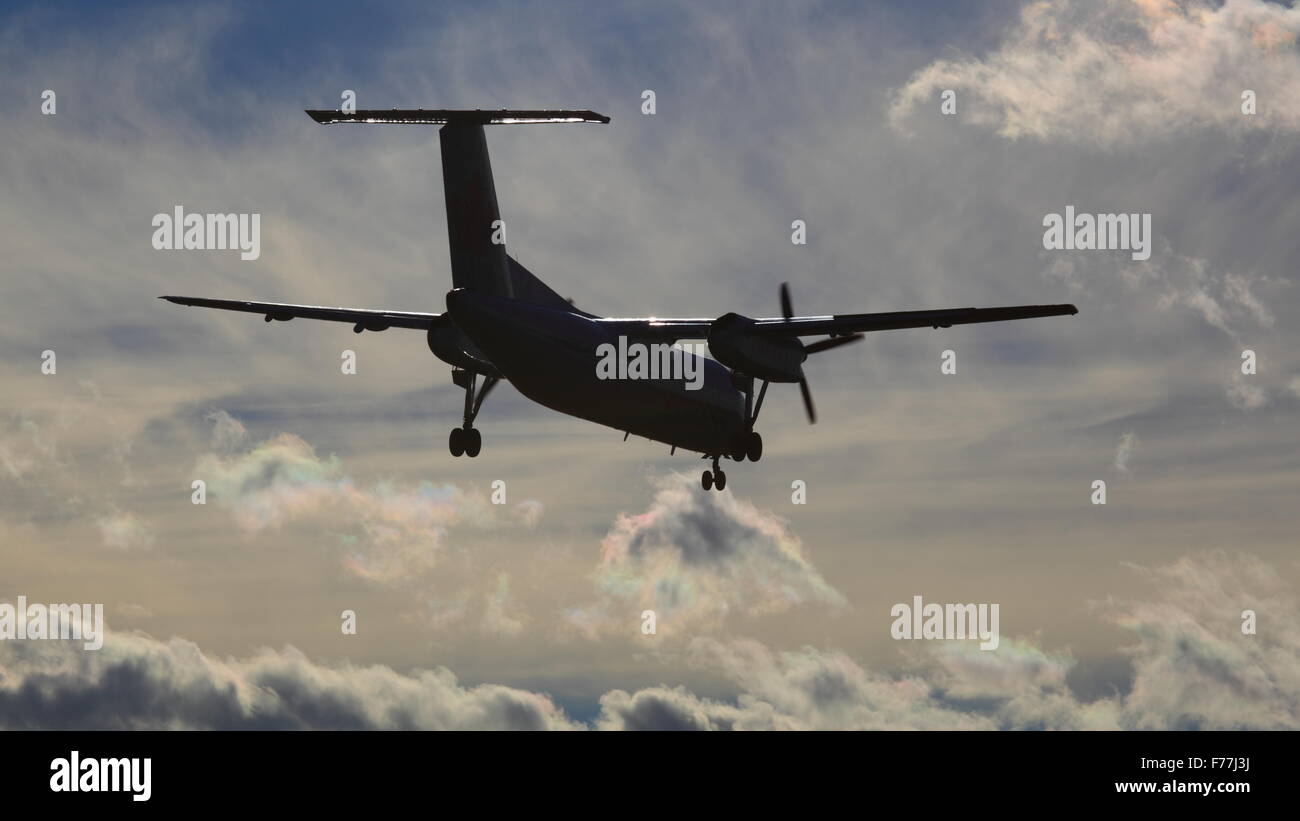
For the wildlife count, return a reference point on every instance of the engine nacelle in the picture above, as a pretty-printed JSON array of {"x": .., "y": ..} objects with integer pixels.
[
  {"x": 770, "y": 358},
  {"x": 450, "y": 344}
]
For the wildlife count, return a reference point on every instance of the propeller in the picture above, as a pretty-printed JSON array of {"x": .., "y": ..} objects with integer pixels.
[{"x": 787, "y": 311}]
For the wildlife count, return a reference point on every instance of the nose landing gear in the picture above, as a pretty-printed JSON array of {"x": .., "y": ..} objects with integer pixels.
[{"x": 714, "y": 478}]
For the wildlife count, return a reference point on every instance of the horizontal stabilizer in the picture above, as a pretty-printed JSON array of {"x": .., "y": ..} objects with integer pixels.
[{"x": 444, "y": 116}]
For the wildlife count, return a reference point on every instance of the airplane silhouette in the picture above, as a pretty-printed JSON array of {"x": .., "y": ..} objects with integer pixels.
[{"x": 502, "y": 322}]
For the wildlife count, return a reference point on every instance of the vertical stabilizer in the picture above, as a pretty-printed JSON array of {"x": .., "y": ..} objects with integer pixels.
[{"x": 473, "y": 218}]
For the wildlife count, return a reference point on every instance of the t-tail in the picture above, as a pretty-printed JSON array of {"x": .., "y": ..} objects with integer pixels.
[{"x": 475, "y": 232}]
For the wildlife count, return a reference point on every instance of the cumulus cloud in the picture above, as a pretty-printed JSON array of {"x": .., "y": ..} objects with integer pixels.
[
  {"x": 694, "y": 558},
  {"x": 1193, "y": 669},
  {"x": 1121, "y": 71},
  {"x": 812, "y": 689},
  {"x": 137, "y": 682},
  {"x": 392, "y": 532},
  {"x": 396, "y": 531}
]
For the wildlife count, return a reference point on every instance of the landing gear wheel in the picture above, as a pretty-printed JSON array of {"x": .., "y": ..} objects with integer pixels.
[
  {"x": 707, "y": 480},
  {"x": 754, "y": 446},
  {"x": 456, "y": 442},
  {"x": 739, "y": 449},
  {"x": 720, "y": 480},
  {"x": 473, "y": 442}
]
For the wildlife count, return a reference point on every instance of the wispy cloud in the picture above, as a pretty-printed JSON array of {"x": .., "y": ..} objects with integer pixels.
[
  {"x": 1119, "y": 72},
  {"x": 1124, "y": 451}
]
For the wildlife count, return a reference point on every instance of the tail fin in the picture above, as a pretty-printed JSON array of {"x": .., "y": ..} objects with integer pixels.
[
  {"x": 528, "y": 288},
  {"x": 475, "y": 234}
]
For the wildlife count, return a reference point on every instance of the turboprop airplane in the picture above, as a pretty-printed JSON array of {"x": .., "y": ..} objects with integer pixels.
[{"x": 502, "y": 322}]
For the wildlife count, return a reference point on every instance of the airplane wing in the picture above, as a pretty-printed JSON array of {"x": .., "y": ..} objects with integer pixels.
[
  {"x": 666, "y": 330},
  {"x": 361, "y": 319}
]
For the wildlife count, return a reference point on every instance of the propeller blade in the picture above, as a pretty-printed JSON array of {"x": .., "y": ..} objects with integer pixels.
[
  {"x": 807, "y": 401},
  {"x": 786, "y": 310},
  {"x": 833, "y": 342}
]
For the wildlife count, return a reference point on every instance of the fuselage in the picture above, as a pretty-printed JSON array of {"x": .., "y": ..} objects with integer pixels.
[{"x": 550, "y": 356}]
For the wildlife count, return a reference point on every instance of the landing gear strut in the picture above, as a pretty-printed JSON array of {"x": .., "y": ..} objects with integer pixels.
[
  {"x": 749, "y": 445},
  {"x": 466, "y": 439},
  {"x": 714, "y": 478}
]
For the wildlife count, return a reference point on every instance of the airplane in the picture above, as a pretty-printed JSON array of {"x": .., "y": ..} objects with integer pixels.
[{"x": 503, "y": 323}]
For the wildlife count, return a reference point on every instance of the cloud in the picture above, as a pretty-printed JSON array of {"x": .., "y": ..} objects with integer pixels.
[
  {"x": 137, "y": 682},
  {"x": 1224, "y": 300},
  {"x": 227, "y": 431},
  {"x": 395, "y": 532},
  {"x": 1120, "y": 72},
  {"x": 815, "y": 689},
  {"x": 695, "y": 558},
  {"x": 1124, "y": 450},
  {"x": 500, "y": 615},
  {"x": 23, "y": 447},
  {"x": 132, "y": 610},
  {"x": 392, "y": 533},
  {"x": 1193, "y": 669},
  {"x": 1245, "y": 396},
  {"x": 529, "y": 512},
  {"x": 125, "y": 531}
]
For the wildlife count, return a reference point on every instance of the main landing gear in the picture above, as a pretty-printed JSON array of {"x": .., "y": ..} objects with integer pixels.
[
  {"x": 749, "y": 444},
  {"x": 466, "y": 439}
]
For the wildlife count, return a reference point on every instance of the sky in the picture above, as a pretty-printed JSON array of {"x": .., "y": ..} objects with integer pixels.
[{"x": 331, "y": 492}]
